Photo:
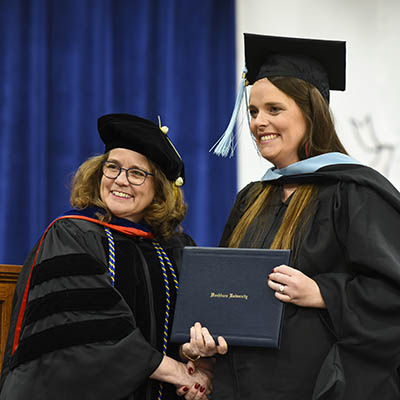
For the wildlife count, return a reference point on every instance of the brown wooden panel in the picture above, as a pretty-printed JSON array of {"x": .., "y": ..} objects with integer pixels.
[{"x": 8, "y": 279}]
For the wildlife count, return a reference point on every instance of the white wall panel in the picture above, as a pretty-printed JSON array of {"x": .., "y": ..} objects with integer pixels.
[{"x": 367, "y": 114}]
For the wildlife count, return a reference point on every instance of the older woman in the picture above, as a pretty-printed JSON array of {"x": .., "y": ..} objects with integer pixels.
[
  {"x": 341, "y": 329},
  {"x": 92, "y": 306}
]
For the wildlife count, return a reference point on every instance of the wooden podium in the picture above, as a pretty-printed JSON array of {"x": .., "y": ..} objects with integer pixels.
[{"x": 8, "y": 280}]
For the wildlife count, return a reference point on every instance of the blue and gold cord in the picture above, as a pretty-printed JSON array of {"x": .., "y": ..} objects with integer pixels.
[
  {"x": 163, "y": 259},
  {"x": 111, "y": 255}
]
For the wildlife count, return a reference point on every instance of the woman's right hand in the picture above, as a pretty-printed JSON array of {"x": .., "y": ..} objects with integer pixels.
[
  {"x": 201, "y": 385},
  {"x": 196, "y": 392},
  {"x": 202, "y": 343}
]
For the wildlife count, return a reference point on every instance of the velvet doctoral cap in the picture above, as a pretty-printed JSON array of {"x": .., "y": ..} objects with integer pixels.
[
  {"x": 319, "y": 62},
  {"x": 145, "y": 137}
]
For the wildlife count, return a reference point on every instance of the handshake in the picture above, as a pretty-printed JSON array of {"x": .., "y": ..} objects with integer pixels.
[{"x": 193, "y": 379}]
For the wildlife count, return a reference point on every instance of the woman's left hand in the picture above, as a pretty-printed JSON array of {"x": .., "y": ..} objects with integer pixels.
[{"x": 292, "y": 286}]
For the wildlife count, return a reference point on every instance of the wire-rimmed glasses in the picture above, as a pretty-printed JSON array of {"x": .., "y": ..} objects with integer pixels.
[{"x": 135, "y": 176}]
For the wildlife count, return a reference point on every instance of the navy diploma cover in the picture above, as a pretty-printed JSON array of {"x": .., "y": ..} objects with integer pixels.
[{"x": 226, "y": 290}]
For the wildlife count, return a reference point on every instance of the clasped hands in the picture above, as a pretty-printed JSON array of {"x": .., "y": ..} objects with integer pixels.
[
  {"x": 200, "y": 383},
  {"x": 201, "y": 345}
]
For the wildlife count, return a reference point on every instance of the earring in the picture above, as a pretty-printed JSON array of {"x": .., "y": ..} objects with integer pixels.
[{"x": 306, "y": 150}]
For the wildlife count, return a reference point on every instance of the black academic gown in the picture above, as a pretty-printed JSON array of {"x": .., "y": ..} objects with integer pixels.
[
  {"x": 82, "y": 338},
  {"x": 350, "y": 247}
]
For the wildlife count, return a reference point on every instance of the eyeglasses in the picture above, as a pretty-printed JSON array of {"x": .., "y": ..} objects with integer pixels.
[{"x": 135, "y": 176}]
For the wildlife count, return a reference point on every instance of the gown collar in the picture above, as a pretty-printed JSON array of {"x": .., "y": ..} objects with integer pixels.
[{"x": 92, "y": 212}]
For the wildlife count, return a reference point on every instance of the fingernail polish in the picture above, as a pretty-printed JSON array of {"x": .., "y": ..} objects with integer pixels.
[
  {"x": 197, "y": 385},
  {"x": 190, "y": 371},
  {"x": 202, "y": 389},
  {"x": 185, "y": 389}
]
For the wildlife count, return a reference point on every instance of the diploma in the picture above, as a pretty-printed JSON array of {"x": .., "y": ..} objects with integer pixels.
[{"x": 226, "y": 291}]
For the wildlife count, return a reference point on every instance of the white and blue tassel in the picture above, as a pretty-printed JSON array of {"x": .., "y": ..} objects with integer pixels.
[{"x": 226, "y": 144}]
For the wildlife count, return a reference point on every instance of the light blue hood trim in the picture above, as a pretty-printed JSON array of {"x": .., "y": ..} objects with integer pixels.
[{"x": 309, "y": 165}]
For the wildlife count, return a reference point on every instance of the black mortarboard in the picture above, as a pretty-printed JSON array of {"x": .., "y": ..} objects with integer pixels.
[
  {"x": 319, "y": 62},
  {"x": 145, "y": 137}
]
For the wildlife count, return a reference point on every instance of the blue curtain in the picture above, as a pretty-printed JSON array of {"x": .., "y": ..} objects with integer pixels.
[{"x": 64, "y": 63}]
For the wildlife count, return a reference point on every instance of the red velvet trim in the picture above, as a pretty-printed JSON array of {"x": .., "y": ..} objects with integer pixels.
[
  {"x": 124, "y": 229},
  {"x": 127, "y": 231}
]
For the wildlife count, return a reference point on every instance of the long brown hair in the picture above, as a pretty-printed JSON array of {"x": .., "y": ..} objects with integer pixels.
[
  {"x": 320, "y": 138},
  {"x": 163, "y": 215}
]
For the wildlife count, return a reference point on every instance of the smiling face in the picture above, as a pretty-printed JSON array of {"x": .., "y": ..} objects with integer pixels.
[
  {"x": 123, "y": 199},
  {"x": 277, "y": 123}
]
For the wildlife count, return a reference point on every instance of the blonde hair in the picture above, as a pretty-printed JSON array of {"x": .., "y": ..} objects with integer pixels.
[
  {"x": 259, "y": 199},
  {"x": 168, "y": 208},
  {"x": 163, "y": 215}
]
